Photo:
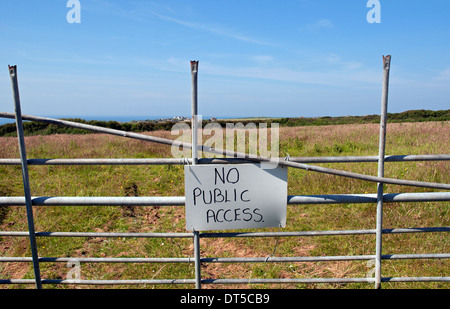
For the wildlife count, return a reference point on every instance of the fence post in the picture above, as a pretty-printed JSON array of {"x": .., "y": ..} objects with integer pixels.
[
  {"x": 194, "y": 123},
  {"x": 381, "y": 155},
  {"x": 25, "y": 177}
]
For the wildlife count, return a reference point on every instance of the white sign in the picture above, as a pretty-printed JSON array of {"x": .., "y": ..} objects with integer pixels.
[{"x": 240, "y": 196}]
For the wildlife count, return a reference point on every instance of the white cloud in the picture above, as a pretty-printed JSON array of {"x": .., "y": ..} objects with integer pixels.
[
  {"x": 444, "y": 75},
  {"x": 212, "y": 29},
  {"x": 318, "y": 24},
  {"x": 331, "y": 78},
  {"x": 342, "y": 64},
  {"x": 140, "y": 11},
  {"x": 262, "y": 59}
]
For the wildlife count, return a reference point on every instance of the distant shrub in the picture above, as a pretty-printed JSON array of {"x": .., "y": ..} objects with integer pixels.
[{"x": 40, "y": 128}]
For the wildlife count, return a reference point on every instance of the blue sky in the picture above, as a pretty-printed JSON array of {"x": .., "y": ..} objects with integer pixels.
[{"x": 288, "y": 58}]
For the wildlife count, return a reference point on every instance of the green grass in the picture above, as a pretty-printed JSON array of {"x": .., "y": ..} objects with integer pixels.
[{"x": 153, "y": 180}]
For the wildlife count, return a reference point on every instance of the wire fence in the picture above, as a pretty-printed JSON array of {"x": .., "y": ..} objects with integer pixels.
[{"x": 302, "y": 162}]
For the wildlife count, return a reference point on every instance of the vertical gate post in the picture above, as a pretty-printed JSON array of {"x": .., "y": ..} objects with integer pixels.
[
  {"x": 194, "y": 129},
  {"x": 25, "y": 177},
  {"x": 381, "y": 156}
]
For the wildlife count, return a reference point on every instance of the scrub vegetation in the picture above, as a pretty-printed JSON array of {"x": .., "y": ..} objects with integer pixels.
[
  {"x": 168, "y": 180},
  {"x": 41, "y": 128}
]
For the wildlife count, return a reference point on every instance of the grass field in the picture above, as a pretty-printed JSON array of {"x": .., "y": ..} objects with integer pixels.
[{"x": 155, "y": 180}]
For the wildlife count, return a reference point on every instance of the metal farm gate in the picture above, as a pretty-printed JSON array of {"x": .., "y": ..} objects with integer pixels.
[{"x": 379, "y": 198}]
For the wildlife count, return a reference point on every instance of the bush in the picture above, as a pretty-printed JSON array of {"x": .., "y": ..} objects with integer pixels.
[{"x": 40, "y": 128}]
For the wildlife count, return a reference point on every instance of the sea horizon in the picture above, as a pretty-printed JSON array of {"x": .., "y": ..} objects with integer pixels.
[{"x": 119, "y": 118}]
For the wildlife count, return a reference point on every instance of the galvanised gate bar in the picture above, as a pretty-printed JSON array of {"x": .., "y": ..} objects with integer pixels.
[{"x": 302, "y": 162}]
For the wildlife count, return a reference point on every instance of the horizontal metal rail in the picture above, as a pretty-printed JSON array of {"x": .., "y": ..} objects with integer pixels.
[
  {"x": 226, "y": 281},
  {"x": 227, "y": 260},
  {"x": 180, "y": 200},
  {"x": 272, "y": 259},
  {"x": 323, "y": 258},
  {"x": 183, "y": 161},
  {"x": 100, "y": 282},
  {"x": 225, "y": 235}
]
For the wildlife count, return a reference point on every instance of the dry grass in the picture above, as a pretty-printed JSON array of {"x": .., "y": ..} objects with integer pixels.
[{"x": 362, "y": 139}]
